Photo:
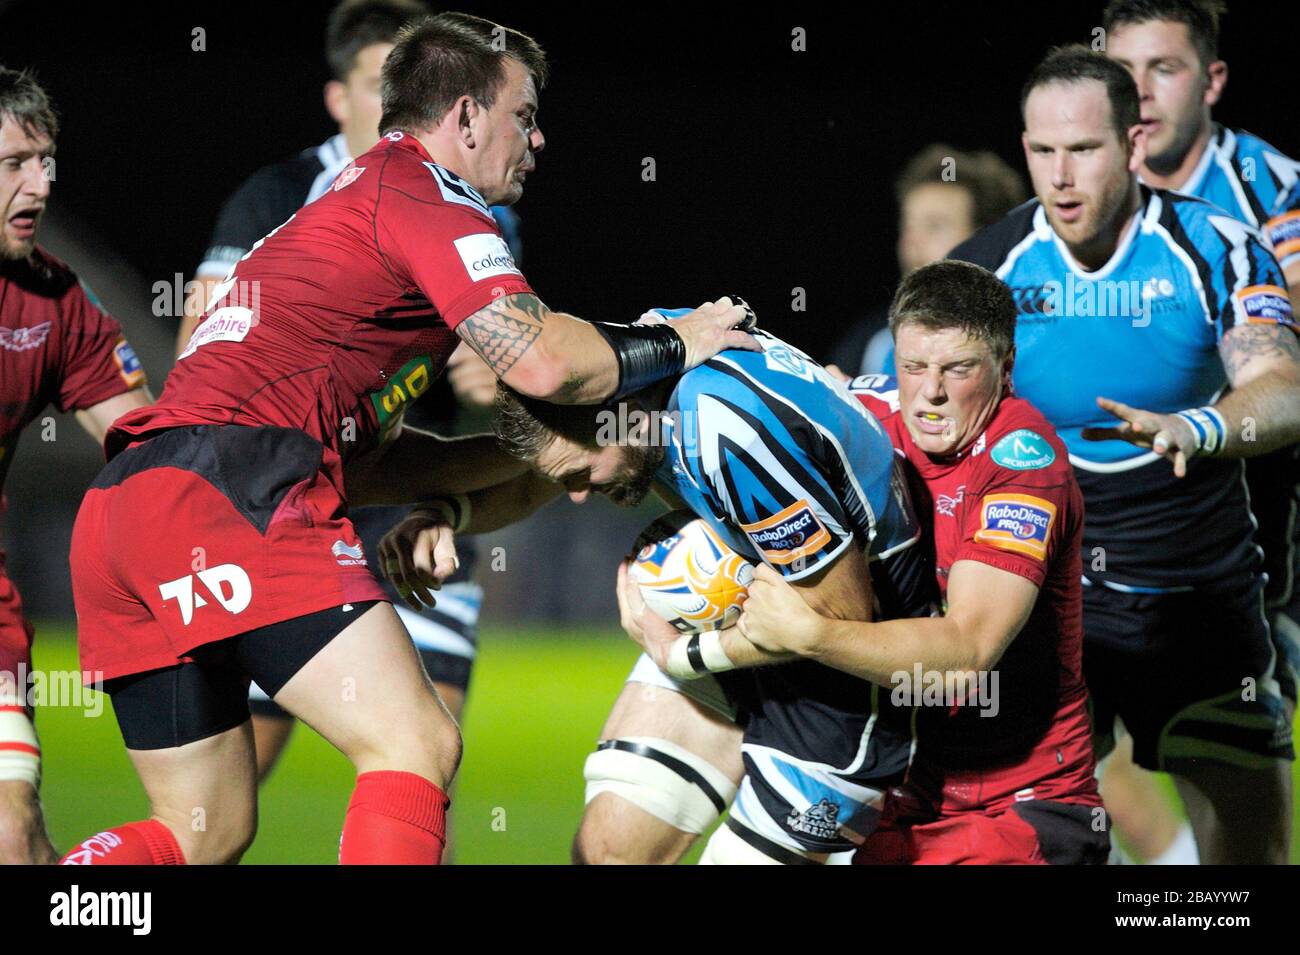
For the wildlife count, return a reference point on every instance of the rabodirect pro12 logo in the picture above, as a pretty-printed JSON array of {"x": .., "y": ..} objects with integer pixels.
[
  {"x": 1020, "y": 523},
  {"x": 794, "y": 532}
]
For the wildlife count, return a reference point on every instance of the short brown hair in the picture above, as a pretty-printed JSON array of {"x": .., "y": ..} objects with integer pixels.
[
  {"x": 995, "y": 188},
  {"x": 23, "y": 101},
  {"x": 440, "y": 59},
  {"x": 356, "y": 24},
  {"x": 1076, "y": 63},
  {"x": 1200, "y": 16},
  {"x": 953, "y": 294},
  {"x": 525, "y": 427}
]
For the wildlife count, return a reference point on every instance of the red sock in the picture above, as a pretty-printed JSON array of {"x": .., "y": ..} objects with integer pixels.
[
  {"x": 136, "y": 843},
  {"x": 394, "y": 818}
]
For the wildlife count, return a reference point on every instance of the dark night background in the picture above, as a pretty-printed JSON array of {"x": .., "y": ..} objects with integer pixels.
[{"x": 774, "y": 168}]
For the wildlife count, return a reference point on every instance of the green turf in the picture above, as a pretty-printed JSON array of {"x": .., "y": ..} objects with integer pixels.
[{"x": 535, "y": 708}]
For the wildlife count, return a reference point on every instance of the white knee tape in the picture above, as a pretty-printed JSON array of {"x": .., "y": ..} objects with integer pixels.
[
  {"x": 20, "y": 753},
  {"x": 667, "y": 781}
]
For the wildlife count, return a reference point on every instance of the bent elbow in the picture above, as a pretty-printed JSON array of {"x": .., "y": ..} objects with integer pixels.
[{"x": 544, "y": 378}]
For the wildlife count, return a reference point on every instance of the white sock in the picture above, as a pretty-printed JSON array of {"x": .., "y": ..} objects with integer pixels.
[{"x": 1182, "y": 851}]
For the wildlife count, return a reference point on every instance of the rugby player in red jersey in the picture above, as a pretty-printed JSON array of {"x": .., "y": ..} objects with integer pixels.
[
  {"x": 1004, "y": 775},
  {"x": 57, "y": 347},
  {"x": 309, "y": 352}
]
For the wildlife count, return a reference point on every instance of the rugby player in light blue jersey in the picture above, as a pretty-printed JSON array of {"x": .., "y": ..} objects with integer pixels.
[
  {"x": 1144, "y": 305},
  {"x": 790, "y": 470},
  {"x": 1170, "y": 48}
]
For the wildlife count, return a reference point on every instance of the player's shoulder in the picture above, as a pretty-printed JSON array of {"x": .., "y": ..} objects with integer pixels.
[
  {"x": 286, "y": 181},
  {"x": 401, "y": 164},
  {"x": 1197, "y": 218},
  {"x": 1021, "y": 444},
  {"x": 778, "y": 388},
  {"x": 42, "y": 274},
  {"x": 879, "y": 393},
  {"x": 992, "y": 245},
  {"x": 1243, "y": 144},
  {"x": 1204, "y": 232}
]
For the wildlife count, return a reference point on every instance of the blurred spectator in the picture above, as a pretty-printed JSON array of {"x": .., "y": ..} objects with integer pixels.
[{"x": 944, "y": 197}]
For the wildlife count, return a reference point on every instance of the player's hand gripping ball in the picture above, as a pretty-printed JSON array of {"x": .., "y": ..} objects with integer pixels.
[{"x": 688, "y": 576}]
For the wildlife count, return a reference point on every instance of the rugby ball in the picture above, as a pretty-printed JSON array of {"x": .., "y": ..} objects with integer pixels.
[{"x": 688, "y": 575}]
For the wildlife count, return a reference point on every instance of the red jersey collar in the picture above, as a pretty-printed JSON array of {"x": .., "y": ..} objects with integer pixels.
[{"x": 405, "y": 139}]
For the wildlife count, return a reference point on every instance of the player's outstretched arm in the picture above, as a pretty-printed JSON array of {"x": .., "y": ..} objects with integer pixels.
[
  {"x": 1260, "y": 414},
  {"x": 987, "y": 608},
  {"x": 416, "y": 465},
  {"x": 563, "y": 359},
  {"x": 419, "y": 552}
]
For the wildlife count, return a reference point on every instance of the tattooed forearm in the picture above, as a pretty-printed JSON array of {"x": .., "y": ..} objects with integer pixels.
[
  {"x": 1262, "y": 411},
  {"x": 504, "y": 330},
  {"x": 1245, "y": 343}
]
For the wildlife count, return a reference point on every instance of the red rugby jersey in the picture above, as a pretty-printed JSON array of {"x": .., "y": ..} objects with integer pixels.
[
  {"x": 1009, "y": 500},
  {"x": 336, "y": 320},
  {"x": 57, "y": 347}
]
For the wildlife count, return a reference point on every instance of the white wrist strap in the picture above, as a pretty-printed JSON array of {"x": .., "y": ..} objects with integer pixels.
[
  {"x": 1209, "y": 427},
  {"x": 695, "y": 655}
]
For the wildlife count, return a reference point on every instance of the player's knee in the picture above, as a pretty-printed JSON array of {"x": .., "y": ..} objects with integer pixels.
[
  {"x": 609, "y": 835},
  {"x": 212, "y": 835},
  {"x": 429, "y": 746},
  {"x": 224, "y": 845},
  {"x": 598, "y": 842},
  {"x": 647, "y": 800},
  {"x": 22, "y": 830}
]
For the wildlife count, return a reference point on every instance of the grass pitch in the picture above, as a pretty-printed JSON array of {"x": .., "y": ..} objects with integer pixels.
[{"x": 536, "y": 705}]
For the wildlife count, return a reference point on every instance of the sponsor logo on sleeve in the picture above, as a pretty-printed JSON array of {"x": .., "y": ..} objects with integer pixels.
[
  {"x": 787, "y": 536},
  {"x": 1283, "y": 233},
  {"x": 1020, "y": 523},
  {"x": 1023, "y": 450},
  {"x": 128, "y": 363},
  {"x": 485, "y": 255},
  {"x": 1263, "y": 304}
]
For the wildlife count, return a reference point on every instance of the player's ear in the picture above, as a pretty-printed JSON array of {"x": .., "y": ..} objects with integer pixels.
[
  {"x": 467, "y": 111},
  {"x": 1008, "y": 366},
  {"x": 1137, "y": 147},
  {"x": 1216, "y": 80},
  {"x": 336, "y": 102}
]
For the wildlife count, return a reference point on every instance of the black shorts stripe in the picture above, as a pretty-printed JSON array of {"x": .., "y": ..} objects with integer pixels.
[
  {"x": 684, "y": 770},
  {"x": 766, "y": 846}
]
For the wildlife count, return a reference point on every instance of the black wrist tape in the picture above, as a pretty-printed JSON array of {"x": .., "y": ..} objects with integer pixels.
[{"x": 645, "y": 353}]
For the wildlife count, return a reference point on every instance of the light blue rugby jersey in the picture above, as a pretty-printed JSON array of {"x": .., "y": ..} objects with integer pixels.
[
  {"x": 1143, "y": 329},
  {"x": 1241, "y": 173},
  {"x": 783, "y": 462}
]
